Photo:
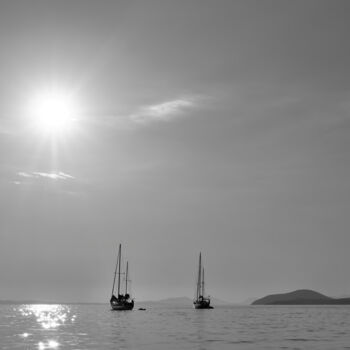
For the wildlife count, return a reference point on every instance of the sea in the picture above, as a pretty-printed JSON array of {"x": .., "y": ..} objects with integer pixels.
[{"x": 95, "y": 326}]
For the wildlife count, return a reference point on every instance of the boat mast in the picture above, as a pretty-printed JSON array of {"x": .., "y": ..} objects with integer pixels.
[
  {"x": 203, "y": 281},
  {"x": 199, "y": 276},
  {"x": 119, "y": 263},
  {"x": 115, "y": 274},
  {"x": 126, "y": 278}
]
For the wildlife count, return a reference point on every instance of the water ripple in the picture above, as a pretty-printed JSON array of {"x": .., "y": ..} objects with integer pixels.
[{"x": 46, "y": 327}]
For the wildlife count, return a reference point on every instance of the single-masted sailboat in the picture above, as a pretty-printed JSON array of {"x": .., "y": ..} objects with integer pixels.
[
  {"x": 201, "y": 301},
  {"x": 121, "y": 301}
]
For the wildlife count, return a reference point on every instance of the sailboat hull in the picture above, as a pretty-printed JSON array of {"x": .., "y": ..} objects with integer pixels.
[
  {"x": 122, "y": 306},
  {"x": 204, "y": 304}
]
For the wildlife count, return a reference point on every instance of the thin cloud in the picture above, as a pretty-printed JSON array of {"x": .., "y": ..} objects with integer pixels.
[
  {"x": 160, "y": 112},
  {"x": 23, "y": 174},
  {"x": 164, "y": 111},
  {"x": 53, "y": 176}
]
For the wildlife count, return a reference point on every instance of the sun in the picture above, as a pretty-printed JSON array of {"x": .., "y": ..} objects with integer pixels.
[{"x": 53, "y": 112}]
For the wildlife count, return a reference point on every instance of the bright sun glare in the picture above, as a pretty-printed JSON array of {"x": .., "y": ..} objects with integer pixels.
[{"x": 53, "y": 112}]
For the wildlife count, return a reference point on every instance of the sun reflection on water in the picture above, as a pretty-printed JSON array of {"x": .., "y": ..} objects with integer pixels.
[
  {"x": 51, "y": 344},
  {"x": 48, "y": 316}
]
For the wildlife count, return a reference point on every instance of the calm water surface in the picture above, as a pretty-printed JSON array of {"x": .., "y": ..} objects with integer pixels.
[{"x": 160, "y": 327}]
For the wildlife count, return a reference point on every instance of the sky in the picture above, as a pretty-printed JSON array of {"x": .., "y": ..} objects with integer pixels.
[{"x": 213, "y": 126}]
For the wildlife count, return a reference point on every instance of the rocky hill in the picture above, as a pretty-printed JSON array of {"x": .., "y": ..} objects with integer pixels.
[{"x": 301, "y": 297}]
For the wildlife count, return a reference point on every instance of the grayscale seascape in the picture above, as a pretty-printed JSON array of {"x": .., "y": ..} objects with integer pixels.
[
  {"x": 194, "y": 154},
  {"x": 162, "y": 327}
]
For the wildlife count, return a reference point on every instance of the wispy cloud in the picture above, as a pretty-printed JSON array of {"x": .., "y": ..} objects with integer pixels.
[
  {"x": 163, "y": 111},
  {"x": 52, "y": 182},
  {"x": 53, "y": 176},
  {"x": 129, "y": 117}
]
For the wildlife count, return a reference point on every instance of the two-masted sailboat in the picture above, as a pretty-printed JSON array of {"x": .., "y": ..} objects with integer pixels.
[
  {"x": 120, "y": 301},
  {"x": 201, "y": 301}
]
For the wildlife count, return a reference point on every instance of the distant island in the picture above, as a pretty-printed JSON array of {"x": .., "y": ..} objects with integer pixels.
[
  {"x": 184, "y": 301},
  {"x": 301, "y": 297}
]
